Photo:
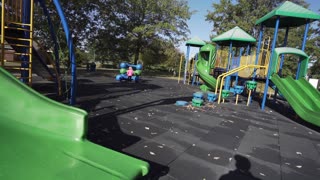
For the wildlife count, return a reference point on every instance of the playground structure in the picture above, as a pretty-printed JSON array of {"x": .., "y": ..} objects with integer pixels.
[
  {"x": 244, "y": 59},
  {"x": 123, "y": 72},
  {"x": 192, "y": 73},
  {"x": 219, "y": 67},
  {"x": 300, "y": 94},
  {"x": 23, "y": 56},
  {"x": 46, "y": 139},
  {"x": 194, "y": 42}
]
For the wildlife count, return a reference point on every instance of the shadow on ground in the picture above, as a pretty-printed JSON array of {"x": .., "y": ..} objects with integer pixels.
[
  {"x": 104, "y": 128},
  {"x": 282, "y": 107},
  {"x": 242, "y": 171}
]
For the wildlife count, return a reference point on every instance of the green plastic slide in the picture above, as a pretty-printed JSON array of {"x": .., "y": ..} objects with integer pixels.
[
  {"x": 43, "y": 139},
  {"x": 209, "y": 81},
  {"x": 206, "y": 60},
  {"x": 301, "y": 95}
]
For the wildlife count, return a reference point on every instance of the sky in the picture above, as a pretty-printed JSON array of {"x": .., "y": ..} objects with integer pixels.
[{"x": 202, "y": 29}]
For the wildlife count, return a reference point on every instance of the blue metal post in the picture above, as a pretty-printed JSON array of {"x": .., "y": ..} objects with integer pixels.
[
  {"x": 25, "y": 59},
  {"x": 248, "y": 50},
  {"x": 305, "y": 36},
  {"x": 284, "y": 45},
  {"x": 275, "y": 35},
  {"x": 194, "y": 69},
  {"x": 227, "y": 81},
  {"x": 71, "y": 53},
  {"x": 186, "y": 64},
  {"x": 238, "y": 63},
  {"x": 254, "y": 92},
  {"x": 281, "y": 61}
]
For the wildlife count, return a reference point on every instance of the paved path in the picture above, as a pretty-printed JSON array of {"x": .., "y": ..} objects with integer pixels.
[{"x": 224, "y": 141}]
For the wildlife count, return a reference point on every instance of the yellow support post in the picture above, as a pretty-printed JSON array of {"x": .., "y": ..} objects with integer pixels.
[
  {"x": 2, "y": 32},
  {"x": 30, "y": 42},
  {"x": 190, "y": 70},
  {"x": 237, "y": 97},
  {"x": 180, "y": 66},
  {"x": 249, "y": 95}
]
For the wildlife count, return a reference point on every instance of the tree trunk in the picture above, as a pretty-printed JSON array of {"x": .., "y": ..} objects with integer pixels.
[{"x": 136, "y": 54}]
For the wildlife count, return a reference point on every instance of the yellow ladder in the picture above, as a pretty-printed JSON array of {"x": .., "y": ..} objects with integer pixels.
[{"x": 15, "y": 60}]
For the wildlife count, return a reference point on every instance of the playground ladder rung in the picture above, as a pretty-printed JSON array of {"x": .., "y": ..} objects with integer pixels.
[
  {"x": 8, "y": 48},
  {"x": 15, "y": 61},
  {"x": 20, "y": 45},
  {"x": 17, "y": 23},
  {"x": 16, "y": 68},
  {"x": 15, "y": 28},
  {"x": 19, "y": 39},
  {"x": 19, "y": 54},
  {"x": 19, "y": 61},
  {"x": 19, "y": 77}
]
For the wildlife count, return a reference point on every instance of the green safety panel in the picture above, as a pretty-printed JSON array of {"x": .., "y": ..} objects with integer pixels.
[{"x": 304, "y": 58}]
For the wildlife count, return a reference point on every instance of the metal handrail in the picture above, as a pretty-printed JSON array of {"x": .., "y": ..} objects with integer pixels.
[{"x": 224, "y": 75}]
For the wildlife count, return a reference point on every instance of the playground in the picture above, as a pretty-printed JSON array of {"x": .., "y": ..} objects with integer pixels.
[
  {"x": 142, "y": 120},
  {"x": 232, "y": 116}
]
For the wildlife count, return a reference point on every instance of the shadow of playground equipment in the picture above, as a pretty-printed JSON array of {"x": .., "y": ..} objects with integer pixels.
[
  {"x": 105, "y": 130},
  {"x": 103, "y": 123},
  {"x": 242, "y": 171},
  {"x": 282, "y": 107}
]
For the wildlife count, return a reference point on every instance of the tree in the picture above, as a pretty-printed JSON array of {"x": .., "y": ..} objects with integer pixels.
[
  {"x": 143, "y": 21},
  {"x": 116, "y": 30},
  {"x": 161, "y": 53},
  {"x": 242, "y": 13},
  {"x": 78, "y": 16},
  {"x": 315, "y": 53}
]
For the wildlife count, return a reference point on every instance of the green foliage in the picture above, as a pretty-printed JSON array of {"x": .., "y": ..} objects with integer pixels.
[
  {"x": 114, "y": 31},
  {"x": 314, "y": 48},
  {"x": 152, "y": 20},
  {"x": 161, "y": 53},
  {"x": 82, "y": 57}
]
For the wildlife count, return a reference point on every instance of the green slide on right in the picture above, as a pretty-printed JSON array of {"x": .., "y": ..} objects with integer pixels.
[
  {"x": 44, "y": 139},
  {"x": 302, "y": 97},
  {"x": 204, "y": 75}
]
